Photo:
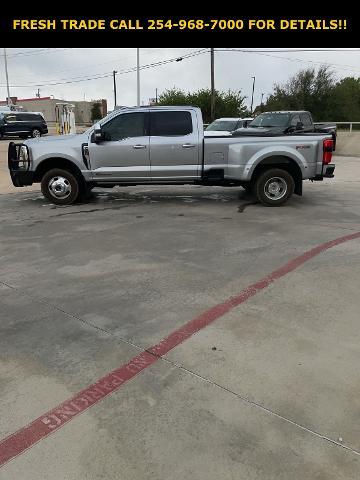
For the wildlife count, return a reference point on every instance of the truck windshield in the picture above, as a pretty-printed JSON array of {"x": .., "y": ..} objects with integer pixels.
[
  {"x": 270, "y": 120},
  {"x": 103, "y": 120},
  {"x": 222, "y": 125}
]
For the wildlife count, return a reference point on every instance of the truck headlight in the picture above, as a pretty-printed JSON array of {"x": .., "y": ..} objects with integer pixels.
[{"x": 23, "y": 157}]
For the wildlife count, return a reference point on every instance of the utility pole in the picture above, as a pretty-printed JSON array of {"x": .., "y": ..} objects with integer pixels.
[
  {"x": 7, "y": 80},
  {"x": 114, "y": 78},
  {"x": 252, "y": 95},
  {"x": 138, "y": 75},
  {"x": 156, "y": 96},
  {"x": 212, "y": 114},
  {"x": 261, "y": 103}
]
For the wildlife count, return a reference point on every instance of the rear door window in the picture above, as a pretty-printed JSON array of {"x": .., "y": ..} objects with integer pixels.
[
  {"x": 294, "y": 120},
  {"x": 170, "y": 124},
  {"x": 23, "y": 117},
  {"x": 306, "y": 120},
  {"x": 29, "y": 117}
]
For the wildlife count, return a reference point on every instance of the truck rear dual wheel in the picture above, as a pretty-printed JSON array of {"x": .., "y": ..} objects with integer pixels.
[
  {"x": 273, "y": 187},
  {"x": 60, "y": 186}
]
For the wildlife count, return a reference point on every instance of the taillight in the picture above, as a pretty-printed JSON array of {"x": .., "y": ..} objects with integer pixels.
[{"x": 328, "y": 146}]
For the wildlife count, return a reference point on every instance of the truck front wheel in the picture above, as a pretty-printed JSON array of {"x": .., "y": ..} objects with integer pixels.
[
  {"x": 274, "y": 186},
  {"x": 60, "y": 186}
]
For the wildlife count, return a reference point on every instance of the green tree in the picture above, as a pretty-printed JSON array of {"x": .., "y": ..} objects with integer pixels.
[
  {"x": 347, "y": 100},
  {"x": 173, "y": 96},
  {"x": 307, "y": 90},
  {"x": 96, "y": 112},
  {"x": 227, "y": 104}
]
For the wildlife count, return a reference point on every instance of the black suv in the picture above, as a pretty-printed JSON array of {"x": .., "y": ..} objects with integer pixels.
[{"x": 22, "y": 124}]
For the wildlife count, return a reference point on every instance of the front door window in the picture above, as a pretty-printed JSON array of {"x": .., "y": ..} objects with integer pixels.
[{"x": 127, "y": 125}]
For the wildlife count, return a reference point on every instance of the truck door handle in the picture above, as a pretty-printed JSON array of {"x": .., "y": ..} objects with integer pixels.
[
  {"x": 139, "y": 146},
  {"x": 188, "y": 145}
]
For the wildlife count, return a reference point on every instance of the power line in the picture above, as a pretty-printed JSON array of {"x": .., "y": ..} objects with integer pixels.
[
  {"x": 301, "y": 60},
  {"x": 292, "y": 50},
  {"x": 266, "y": 52},
  {"x": 24, "y": 52},
  {"x": 86, "y": 67},
  {"x": 259, "y": 52},
  {"x": 40, "y": 51},
  {"x": 109, "y": 74},
  {"x": 46, "y": 50}
]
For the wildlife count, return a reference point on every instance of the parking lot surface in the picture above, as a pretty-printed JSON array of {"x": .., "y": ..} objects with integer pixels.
[{"x": 268, "y": 389}]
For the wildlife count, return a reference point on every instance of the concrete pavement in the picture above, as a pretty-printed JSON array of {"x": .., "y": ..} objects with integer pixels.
[{"x": 268, "y": 391}]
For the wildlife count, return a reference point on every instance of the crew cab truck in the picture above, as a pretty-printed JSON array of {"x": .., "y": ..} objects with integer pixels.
[
  {"x": 166, "y": 145},
  {"x": 290, "y": 122}
]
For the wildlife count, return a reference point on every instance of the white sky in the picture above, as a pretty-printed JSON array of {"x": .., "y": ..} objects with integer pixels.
[{"x": 29, "y": 68}]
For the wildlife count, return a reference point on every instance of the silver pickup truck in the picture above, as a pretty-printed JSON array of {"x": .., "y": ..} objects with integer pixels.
[{"x": 166, "y": 145}]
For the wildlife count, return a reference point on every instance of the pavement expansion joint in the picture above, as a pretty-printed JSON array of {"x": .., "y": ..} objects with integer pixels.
[
  {"x": 259, "y": 406},
  {"x": 190, "y": 372},
  {"x": 21, "y": 440}
]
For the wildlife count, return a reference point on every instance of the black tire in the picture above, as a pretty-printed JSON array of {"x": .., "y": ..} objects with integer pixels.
[
  {"x": 277, "y": 192},
  {"x": 35, "y": 133},
  {"x": 85, "y": 193},
  {"x": 65, "y": 182}
]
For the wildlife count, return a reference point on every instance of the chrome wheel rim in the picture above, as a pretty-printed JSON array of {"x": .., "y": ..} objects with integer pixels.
[
  {"x": 59, "y": 187},
  {"x": 36, "y": 133},
  {"x": 275, "y": 188}
]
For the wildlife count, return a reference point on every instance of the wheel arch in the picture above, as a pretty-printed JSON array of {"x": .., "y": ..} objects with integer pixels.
[
  {"x": 283, "y": 162},
  {"x": 57, "y": 162}
]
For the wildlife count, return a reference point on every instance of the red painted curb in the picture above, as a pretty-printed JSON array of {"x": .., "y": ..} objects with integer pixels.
[{"x": 25, "y": 437}]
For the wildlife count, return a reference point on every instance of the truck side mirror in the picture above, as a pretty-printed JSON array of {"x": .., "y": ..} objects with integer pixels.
[
  {"x": 98, "y": 134},
  {"x": 299, "y": 126}
]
